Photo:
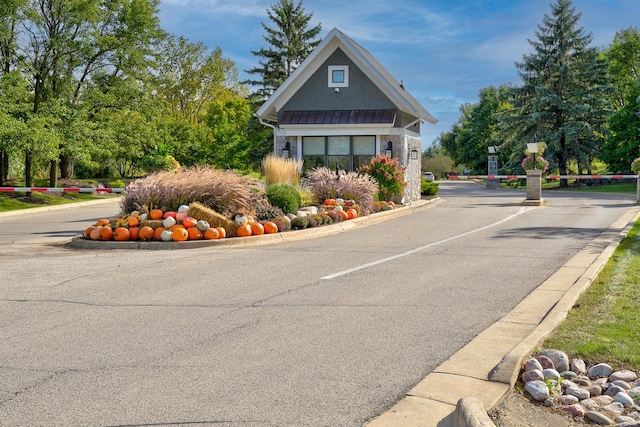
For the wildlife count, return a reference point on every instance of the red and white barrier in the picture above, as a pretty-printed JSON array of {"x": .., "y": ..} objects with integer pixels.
[
  {"x": 462, "y": 177},
  {"x": 592, "y": 177},
  {"x": 60, "y": 190}
]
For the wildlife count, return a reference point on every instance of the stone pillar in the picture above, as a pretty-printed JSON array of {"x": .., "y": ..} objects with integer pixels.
[
  {"x": 638, "y": 191},
  {"x": 534, "y": 187}
]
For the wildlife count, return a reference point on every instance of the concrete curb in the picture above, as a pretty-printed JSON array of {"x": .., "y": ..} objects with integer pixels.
[
  {"x": 79, "y": 242},
  {"x": 484, "y": 371}
]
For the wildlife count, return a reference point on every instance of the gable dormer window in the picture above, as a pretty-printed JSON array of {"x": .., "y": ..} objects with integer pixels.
[{"x": 338, "y": 76}]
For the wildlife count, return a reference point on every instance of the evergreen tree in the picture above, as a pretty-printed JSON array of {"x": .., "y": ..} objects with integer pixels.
[
  {"x": 291, "y": 41},
  {"x": 563, "y": 99}
]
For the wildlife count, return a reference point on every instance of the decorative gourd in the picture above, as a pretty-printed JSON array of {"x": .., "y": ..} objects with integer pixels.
[
  {"x": 222, "y": 232},
  {"x": 156, "y": 214},
  {"x": 170, "y": 214},
  {"x": 158, "y": 233},
  {"x": 106, "y": 233},
  {"x": 121, "y": 234},
  {"x": 143, "y": 217},
  {"x": 270, "y": 227},
  {"x": 352, "y": 213},
  {"x": 343, "y": 214},
  {"x": 256, "y": 228},
  {"x": 244, "y": 230},
  {"x": 338, "y": 209},
  {"x": 179, "y": 234},
  {"x": 180, "y": 216},
  {"x": 146, "y": 233},
  {"x": 189, "y": 222},
  {"x": 169, "y": 222},
  {"x": 183, "y": 209},
  {"x": 194, "y": 233},
  {"x": 330, "y": 202},
  {"x": 339, "y": 201},
  {"x": 211, "y": 234},
  {"x": 166, "y": 235},
  {"x": 203, "y": 225}
]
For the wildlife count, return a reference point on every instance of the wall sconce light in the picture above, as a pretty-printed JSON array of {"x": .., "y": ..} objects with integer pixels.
[
  {"x": 414, "y": 154},
  {"x": 388, "y": 151},
  {"x": 286, "y": 151},
  {"x": 492, "y": 149}
]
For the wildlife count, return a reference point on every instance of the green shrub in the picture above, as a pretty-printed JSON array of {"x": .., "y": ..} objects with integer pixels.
[
  {"x": 284, "y": 196},
  {"x": 299, "y": 222},
  {"x": 428, "y": 188},
  {"x": 116, "y": 184}
]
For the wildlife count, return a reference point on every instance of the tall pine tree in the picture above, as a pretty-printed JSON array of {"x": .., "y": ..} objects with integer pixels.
[
  {"x": 563, "y": 99},
  {"x": 291, "y": 41}
]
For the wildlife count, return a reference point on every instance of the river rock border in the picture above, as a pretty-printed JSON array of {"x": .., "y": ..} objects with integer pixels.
[{"x": 597, "y": 394}]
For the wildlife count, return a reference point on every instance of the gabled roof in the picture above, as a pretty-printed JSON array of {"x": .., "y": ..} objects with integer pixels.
[
  {"x": 339, "y": 117},
  {"x": 403, "y": 100}
]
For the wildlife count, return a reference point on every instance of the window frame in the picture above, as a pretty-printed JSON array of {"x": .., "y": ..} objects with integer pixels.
[{"x": 344, "y": 69}]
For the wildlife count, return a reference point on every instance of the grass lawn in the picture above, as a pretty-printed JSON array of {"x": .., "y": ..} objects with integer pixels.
[
  {"x": 16, "y": 201},
  {"x": 603, "y": 325}
]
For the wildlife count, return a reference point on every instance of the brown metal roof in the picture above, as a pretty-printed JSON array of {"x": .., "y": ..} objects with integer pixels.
[{"x": 338, "y": 117}]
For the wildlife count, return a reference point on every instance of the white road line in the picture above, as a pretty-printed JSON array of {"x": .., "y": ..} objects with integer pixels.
[{"x": 421, "y": 248}]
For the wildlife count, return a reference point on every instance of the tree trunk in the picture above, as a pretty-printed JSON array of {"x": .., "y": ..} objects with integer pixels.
[
  {"x": 65, "y": 166},
  {"x": 563, "y": 161},
  {"x": 2, "y": 174},
  {"x": 53, "y": 173},
  {"x": 28, "y": 173},
  {"x": 6, "y": 166}
]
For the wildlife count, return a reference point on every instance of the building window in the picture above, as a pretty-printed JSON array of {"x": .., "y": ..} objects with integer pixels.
[
  {"x": 342, "y": 152},
  {"x": 338, "y": 75}
]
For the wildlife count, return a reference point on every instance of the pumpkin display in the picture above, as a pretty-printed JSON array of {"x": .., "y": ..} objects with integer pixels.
[
  {"x": 211, "y": 234},
  {"x": 88, "y": 230},
  {"x": 203, "y": 225},
  {"x": 102, "y": 222},
  {"x": 270, "y": 227},
  {"x": 244, "y": 230},
  {"x": 352, "y": 213},
  {"x": 133, "y": 221},
  {"x": 156, "y": 214},
  {"x": 179, "y": 234},
  {"x": 241, "y": 219},
  {"x": 222, "y": 232},
  {"x": 121, "y": 234},
  {"x": 194, "y": 233},
  {"x": 106, "y": 233},
  {"x": 392, "y": 204},
  {"x": 166, "y": 235},
  {"x": 183, "y": 209},
  {"x": 343, "y": 214},
  {"x": 146, "y": 233},
  {"x": 181, "y": 216},
  {"x": 256, "y": 228},
  {"x": 189, "y": 222},
  {"x": 170, "y": 214},
  {"x": 330, "y": 202}
]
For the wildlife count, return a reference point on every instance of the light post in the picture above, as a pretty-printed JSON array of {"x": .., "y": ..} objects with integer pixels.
[
  {"x": 492, "y": 167},
  {"x": 534, "y": 178}
]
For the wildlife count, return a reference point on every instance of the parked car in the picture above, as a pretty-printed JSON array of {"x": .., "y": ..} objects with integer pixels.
[{"x": 428, "y": 176}]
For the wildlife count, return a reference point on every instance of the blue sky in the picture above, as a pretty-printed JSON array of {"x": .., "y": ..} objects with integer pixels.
[{"x": 443, "y": 51}]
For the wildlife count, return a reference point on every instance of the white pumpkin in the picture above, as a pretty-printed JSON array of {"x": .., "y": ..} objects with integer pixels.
[
  {"x": 241, "y": 219},
  {"x": 183, "y": 208},
  {"x": 203, "y": 225},
  {"x": 338, "y": 209},
  {"x": 144, "y": 217},
  {"x": 134, "y": 213},
  {"x": 301, "y": 214},
  {"x": 166, "y": 236},
  {"x": 169, "y": 222}
]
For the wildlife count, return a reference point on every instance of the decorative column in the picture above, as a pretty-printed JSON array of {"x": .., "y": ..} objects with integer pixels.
[{"x": 534, "y": 188}]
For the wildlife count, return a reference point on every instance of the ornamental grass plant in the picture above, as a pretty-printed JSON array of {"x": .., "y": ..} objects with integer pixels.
[
  {"x": 325, "y": 184},
  {"x": 281, "y": 170},
  {"x": 224, "y": 191}
]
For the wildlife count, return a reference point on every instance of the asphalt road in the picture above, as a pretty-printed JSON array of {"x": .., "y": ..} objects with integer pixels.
[{"x": 329, "y": 331}]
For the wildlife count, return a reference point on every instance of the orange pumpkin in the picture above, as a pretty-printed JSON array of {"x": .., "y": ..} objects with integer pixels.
[
  {"x": 330, "y": 202},
  {"x": 194, "y": 233},
  {"x": 344, "y": 215},
  {"x": 179, "y": 234},
  {"x": 156, "y": 214},
  {"x": 134, "y": 232},
  {"x": 392, "y": 204},
  {"x": 222, "y": 232},
  {"x": 121, "y": 234},
  {"x": 95, "y": 233},
  {"x": 270, "y": 227},
  {"x": 211, "y": 233},
  {"x": 244, "y": 230},
  {"x": 133, "y": 221},
  {"x": 146, "y": 233},
  {"x": 352, "y": 213},
  {"x": 157, "y": 233},
  {"x": 102, "y": 222},
  {"x": 256, "y": 228},
  {"x": 87, "y": 231},
  {"x": 189, "y": 222},
  {"x": 106, "y": 233},
  {"x": 170, "y": 214}
]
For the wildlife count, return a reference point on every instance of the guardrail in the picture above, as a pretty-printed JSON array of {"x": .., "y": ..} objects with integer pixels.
[
  {"x": 61, "y": 190},
  {"x": 463, "y": 177}
]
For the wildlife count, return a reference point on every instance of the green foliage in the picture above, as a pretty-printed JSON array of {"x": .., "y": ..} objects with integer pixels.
[
  {"x": 290, "y": 42},
  {"x": 439, "y": 163},
  {"x": 428, "y": 188},
  {"x": 563, "y": 99},
  {"x": 299, "y": 223},
  {"x": 388, "y": 174},
  {"x": 284, "y": 196},
  {"x": 268, "y": 212},
  {"x": 116, "y": 184}
]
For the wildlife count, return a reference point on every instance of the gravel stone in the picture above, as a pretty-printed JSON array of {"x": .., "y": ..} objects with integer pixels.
[
  {"x": 598, "y": 418},
  {"x": 538, "y": 390},
  {"x": 559, "y": 358},
  {"x": 627, "y": 376},
  {"x": 600, "y": 370}
]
